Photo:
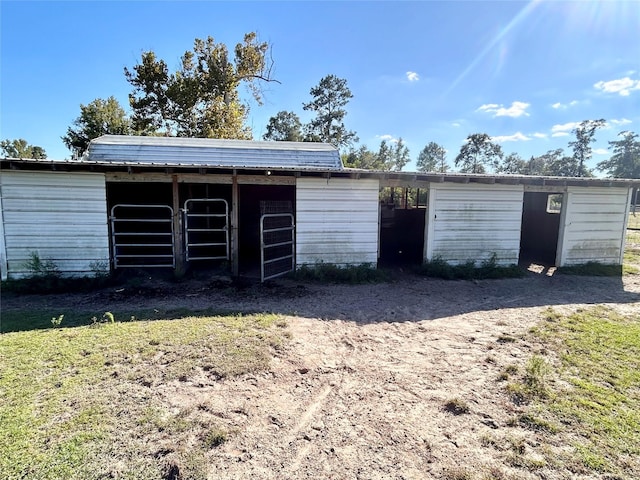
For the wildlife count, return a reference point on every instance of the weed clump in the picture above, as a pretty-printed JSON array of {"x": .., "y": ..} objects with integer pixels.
[
  {"x": 457, "y": 406},
  {"x": 331, "y": 273},
  {"x": 488, "y": 269}
]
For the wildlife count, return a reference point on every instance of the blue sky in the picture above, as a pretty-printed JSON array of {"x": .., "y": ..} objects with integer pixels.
[{"x": 523, "y": 72}]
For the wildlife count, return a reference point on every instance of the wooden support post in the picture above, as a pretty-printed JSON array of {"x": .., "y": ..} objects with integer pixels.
[
  {"x": 178, "y": 234},
  {"x": 235, "y": 258}
]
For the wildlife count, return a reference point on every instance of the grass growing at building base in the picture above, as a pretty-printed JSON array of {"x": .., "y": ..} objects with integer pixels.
[
  {"x": 78, "y": 401},
  {"x": 488, "y": 269},
  {"x": 330, "y": 273},
  {"x": 595, "y": 395}
]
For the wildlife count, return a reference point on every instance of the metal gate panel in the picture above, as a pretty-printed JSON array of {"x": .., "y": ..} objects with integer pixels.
[
  {"x": 142, "y": 236},
  {"x": 206, "y": 229},
  {"x": 277, "y": 245}
]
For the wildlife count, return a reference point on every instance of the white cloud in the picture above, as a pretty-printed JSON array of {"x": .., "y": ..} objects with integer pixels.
[
  {"x": 601, "y": 151},
  {"x": 516, "y": 137},
  {"x": 539, "y": 135},
  {"x": 564, "y": 106},
  {"x": 388, "y": 138},
  {"x": 455, "y": 124},
  {"x": 621, "y": 121},
  {"x": 562, "y": 130},
  {"x": 412, "y": 76},
  {"x": 622, "y": 86},
  {"x": 517, "y": 109}
]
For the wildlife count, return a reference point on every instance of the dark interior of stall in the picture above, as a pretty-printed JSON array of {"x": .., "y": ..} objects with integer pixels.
[
  {"x": 402, "y": 224},
  {"x": 540, "y": 228},
  {"x": 141, "y": 224},
  {"x": 254, "y": 201}
]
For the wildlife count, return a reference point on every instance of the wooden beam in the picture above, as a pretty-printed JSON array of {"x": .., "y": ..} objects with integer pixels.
[
  {"x": 178, "y": 236},
  {"x": 235, "y": 258}
]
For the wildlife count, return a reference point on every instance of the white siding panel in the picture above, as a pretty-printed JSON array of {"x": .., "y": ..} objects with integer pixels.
[
  {"x": 336, "y": 221},
  {"x": 474, "y": 221},
  {"x": 61, "y": 216},
  {"x": 594, "y": 225}
]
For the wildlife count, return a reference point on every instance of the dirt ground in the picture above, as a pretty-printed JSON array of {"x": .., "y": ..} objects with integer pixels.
[{"x": 359, "y": 392}]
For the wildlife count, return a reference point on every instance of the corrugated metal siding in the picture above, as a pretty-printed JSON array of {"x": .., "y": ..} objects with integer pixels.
[
  {"x": 61, "y": 216},
  {"x": 205, "y": 152},
  {"x": 594, "y": 225},
  {"x": 336, "y": 221},
  {"x": 474, "y": 221}
]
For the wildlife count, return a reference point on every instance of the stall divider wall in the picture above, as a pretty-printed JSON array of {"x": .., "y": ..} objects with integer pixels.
[
  {"x": 60, "y": 216},
  {"x": 593, "y": 225},
  {"x": 473, "y": 222},
  {"x": 337, "y": 221}
]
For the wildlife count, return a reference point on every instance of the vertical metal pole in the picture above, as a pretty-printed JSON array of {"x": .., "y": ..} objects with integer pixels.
[
  {"x": 235, "y": 259},
  {"x": 178, "y": 235}
]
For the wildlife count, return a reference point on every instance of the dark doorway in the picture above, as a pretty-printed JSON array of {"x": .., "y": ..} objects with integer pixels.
[
  {"x": 402, "y": 223},
  {"x": 540, "y": 227},
  {"x": 253, "y": 199},
  {"x": 205, "y": 210}
]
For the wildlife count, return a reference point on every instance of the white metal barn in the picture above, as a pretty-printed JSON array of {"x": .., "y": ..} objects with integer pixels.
[{"x": 267, "y": 207}]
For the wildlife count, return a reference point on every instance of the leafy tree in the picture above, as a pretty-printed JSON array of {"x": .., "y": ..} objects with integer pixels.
[
  {"x": 513, "y": 164},
  {"x": 330, "y": 97},
  {"x": 625, "y": 161},
  {"x": 399, "y": 156},
  {"x": 477, "y": 152},
  {"x": 284, "y": 127},
  {"x": 19, "y": 148},
  {"x": 201, "y": 98},
  {"x": 363, "y": 158},
  {"x": 432, "y": 158},
  {"x": 557, "y": 164},
  {"x": 100, "y": 117},
  {"x": 387, "y": 158},
  {"x": 585, "y": 133}
]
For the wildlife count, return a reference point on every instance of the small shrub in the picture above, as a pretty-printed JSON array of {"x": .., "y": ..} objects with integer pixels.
[
  {"x": 537, "y": 424},
  {"x": 56, "y": 321},
  {"x": 456, "y": 406},
  {"x": 38, "y": 267},
  {"x": 215, "y": 438},
  {"x": 536, "y": 372}
]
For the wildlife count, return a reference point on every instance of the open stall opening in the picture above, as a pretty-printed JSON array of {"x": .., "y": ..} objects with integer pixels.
[
  {"x": 540, "y": 227},
  {"x": 141, "y": 225},
  {"x": 402, "y": 222},
  {"x": 206, "y": 216},
  {"x": 144, "y": 232},
  {"x": 266, "y": 220}
]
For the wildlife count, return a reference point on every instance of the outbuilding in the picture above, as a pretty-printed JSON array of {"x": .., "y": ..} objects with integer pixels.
[{"x": 266, "y": 208}]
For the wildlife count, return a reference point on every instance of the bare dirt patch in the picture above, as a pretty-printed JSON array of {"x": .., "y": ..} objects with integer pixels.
[{"x": 363, "y": 387}]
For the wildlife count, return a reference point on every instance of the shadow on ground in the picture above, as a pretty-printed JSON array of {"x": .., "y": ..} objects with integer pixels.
[{"x": 406, "y": 298}]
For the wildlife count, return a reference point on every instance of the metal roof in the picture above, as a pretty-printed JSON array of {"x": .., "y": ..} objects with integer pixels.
[{"x": 211, "y": 153}]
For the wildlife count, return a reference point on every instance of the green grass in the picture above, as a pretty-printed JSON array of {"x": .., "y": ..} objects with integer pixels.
[
  {"x": 329, "y": 273},
  {"x": 593, "y": 269},
  {"x": 488, "y": 269},
  {"x": 596, "y": 392},
  {"x": 78, "y": 401},
  {"x": 631, "y": 261}
]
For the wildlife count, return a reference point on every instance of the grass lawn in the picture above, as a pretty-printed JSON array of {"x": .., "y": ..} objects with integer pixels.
[
  {"x": 590, "y": 391},
  {"x": 76, "y": 402}
]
